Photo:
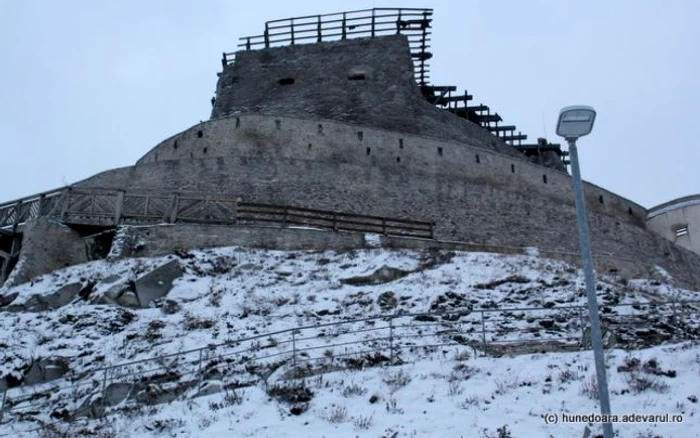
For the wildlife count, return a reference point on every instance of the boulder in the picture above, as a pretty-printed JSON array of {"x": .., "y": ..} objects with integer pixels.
[
  {"x": 7, "y": 299},
  {"x": 45, "y": 370},
  {"x": 64, "y": 295},
  {"x": 128, "y": 299},
  {"x": 157, "y": 283},
  {"x": 385, "y": 274}
]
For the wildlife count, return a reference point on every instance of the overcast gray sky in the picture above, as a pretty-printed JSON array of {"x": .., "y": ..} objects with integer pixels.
[{"x": 86, "y": 86}]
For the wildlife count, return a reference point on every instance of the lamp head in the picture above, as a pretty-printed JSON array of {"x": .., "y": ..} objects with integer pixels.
[{"x": 575, "y": 121}]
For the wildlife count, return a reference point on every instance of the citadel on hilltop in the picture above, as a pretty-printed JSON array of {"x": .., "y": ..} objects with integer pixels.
[{"x": 324, "y": 128}]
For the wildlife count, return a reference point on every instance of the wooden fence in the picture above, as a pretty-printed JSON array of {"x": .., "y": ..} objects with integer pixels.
[
  {"x": 412, "y": 22},
  {"x": 109, "y": 208}
]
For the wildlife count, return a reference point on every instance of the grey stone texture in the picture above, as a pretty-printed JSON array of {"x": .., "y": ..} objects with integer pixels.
[
  {"x": 47, "y": 245},
  {"x": 387, "y": 98},
  {"x": 157, "y": 283},
  {"x": 165, "y": 239},
  {"x": 472, "y": 194},
  {"x": 45, "y": 370}
]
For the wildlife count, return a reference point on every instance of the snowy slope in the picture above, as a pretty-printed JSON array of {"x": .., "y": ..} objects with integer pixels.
[{"x": 233, "y": 293}]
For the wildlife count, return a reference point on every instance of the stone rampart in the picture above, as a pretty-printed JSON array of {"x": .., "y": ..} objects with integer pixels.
[
  {"x": 367, "y": 81},
  {"x": 471, "y": 194}
]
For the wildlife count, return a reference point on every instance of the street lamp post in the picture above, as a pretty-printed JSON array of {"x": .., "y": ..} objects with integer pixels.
[{"x": 575, "y": 122}]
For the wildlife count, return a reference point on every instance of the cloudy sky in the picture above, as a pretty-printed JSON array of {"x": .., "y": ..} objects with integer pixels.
[{"x": 90, "y": 85}]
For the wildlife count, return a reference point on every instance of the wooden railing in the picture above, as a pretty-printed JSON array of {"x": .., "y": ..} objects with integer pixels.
[
  {"x": 412, "y": 22},
  {"x": 103, "y": 207}
]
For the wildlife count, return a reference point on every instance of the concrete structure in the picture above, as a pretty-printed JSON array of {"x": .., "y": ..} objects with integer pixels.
[
  {"x": 343, "y": 127},
  {"x": 678, "y": 221}
]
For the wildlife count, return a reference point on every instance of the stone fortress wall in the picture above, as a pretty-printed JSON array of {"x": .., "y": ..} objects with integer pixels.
[
  {"x": 471, "y": 193},
  {"x": 342, "y": 126}
]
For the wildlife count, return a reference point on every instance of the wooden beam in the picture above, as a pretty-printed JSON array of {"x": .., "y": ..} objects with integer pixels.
[
  {"x": 501, "y": 128},
  {"x": 514, "y": 137}
]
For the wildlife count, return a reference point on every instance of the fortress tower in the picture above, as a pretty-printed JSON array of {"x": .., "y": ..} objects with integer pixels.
[{"x": 330, "y": 122}]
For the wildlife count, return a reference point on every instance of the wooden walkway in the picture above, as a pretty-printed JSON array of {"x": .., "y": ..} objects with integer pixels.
[{"x": 110, "y": 208}]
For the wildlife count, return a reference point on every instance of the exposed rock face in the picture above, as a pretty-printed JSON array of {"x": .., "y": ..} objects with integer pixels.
[
  {"x": 157, "y": 283},
  {"x": 385, "y": 274},
  {"x": 46, "y": 369},
  {"x": 7, "y": 299},
  {"x": 139, "y": 294}
]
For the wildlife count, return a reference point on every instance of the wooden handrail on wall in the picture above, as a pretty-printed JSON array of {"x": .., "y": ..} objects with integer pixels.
[{"x": 104, "y": 207}]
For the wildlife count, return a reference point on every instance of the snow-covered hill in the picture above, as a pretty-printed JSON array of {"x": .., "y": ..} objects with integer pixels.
[{"x": 447, "y": 389}]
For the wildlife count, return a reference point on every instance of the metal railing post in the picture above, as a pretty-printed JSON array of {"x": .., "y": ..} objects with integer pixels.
[
  {"x": 267, "y": 36},
  {"x": 199, "y": 370},
  {"x": 294, "y": 350},
  {"x": 583, "y": 328},
  {"x": 2, "y": 406},
  {"x": 343, "y": 32},
  {"x": 391, "y": 339},
  {"x": 483, "y": 332},
  {"x": 318, "y": 30},
  {"x": 104, "y": 388},
  {"x": 292, "y": 42},
  {"x": 373, "y": 23}
]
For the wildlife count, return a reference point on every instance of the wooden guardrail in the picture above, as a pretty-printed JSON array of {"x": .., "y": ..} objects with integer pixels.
[
  {"x": 415, "y": 23},
  {"x": 103, "y": 207}
]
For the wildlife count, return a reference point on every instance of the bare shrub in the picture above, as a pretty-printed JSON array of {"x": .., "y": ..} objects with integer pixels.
[
  {"x": 363, "y": 423},
  {"x": 638, "y": 382},
  {"x": 392, "y": 407},
  {"x": 589, "y": 388},
  {"x": 397, "y": 380},
  {"x": 502, "y": 386},
  {"x": 338, "y": 415},
  {"x": 567, "y": 376},
  {"x": 454, "y": 388},
  {"x": 193, "y": 322},
  {"x": 472, "y": 400},
  {"x": 353, "y": 389},
  {"x": 296, "y": 393}
]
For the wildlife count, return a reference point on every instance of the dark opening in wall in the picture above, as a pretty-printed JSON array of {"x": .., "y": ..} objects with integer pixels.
[
  {"x": 320, "y": 129},
  {"x": 175, "y": 144},
  {"x": 309, "y": 145},
  {"x": 359, "y": 135},
  {"x": 238, "y": 122},
  {"x": 512, "y": 168},
  {"x": 629, "y": 211},
  {"x": 286, "y": 81},
  {"x": 357, "y": 76},
  {"x": 600, "y": 199},
  {"x": 478, "y": 160},
  {"x": 278, "y": 124},
  {"x": 156, "y": 156},
  {"x": 401, "y": 143},
  {"x": 369, "y": 150},
  {"x": 204, "y": 151},
  {"x": 200, "y": 134},
  {"x": 440, "y": 151},
  {"x": 398, "y": 159},
  {"x": 544, "y": 179}
]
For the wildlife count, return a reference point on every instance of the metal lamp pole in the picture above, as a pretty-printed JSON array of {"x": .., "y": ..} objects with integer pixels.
[{"x": 575, "y": 122}]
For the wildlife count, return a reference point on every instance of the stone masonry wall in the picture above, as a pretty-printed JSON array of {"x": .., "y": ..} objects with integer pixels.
[
  {"x": 323, "y": 88},
  {"x": 47, "y": 245},
  {"x": 485, "y": 203},
  {"x": 324, "y": 141}
]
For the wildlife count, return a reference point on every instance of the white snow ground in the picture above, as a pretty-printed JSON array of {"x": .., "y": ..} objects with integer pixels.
[{"x": 448, "y": 391}]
